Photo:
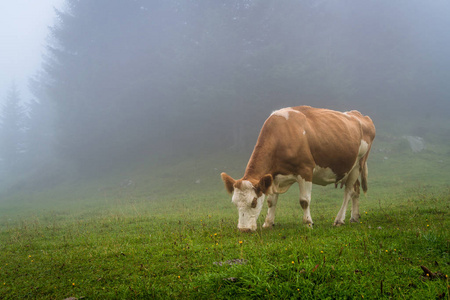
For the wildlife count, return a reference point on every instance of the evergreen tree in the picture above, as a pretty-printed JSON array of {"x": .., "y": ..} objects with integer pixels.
[
  {"x": 12, "y": 121},
  {"x": 40, "y": 124}
]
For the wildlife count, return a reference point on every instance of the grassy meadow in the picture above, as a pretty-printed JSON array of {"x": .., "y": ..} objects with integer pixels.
[{"x": 154, "y": 232}]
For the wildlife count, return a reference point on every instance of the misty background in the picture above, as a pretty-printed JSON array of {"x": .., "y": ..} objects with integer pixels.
[{"x": 127, "y": 81}]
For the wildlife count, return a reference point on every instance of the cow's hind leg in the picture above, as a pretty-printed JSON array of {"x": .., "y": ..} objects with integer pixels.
[
  {"x": 355, "y": 203},
  {"x": 272, "y": 203},
  {"x": 349, "y": 193},
  {"x": 305, "y": 199}
]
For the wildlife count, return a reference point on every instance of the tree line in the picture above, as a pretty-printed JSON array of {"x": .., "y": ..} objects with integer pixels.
[{"x": 122, "y": 79}]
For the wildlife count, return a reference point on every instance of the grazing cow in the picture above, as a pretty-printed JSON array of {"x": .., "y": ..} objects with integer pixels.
[{"x": 305, "y": 145}]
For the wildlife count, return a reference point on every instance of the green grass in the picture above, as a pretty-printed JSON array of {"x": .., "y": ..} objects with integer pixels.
[{"x": 169, "y": 237}]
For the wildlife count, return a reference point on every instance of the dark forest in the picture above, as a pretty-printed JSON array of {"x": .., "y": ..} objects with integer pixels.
[{"x": 128, "y": 80}]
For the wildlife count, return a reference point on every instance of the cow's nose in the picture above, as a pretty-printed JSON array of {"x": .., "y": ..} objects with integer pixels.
[{"x": 245, "y": 230}]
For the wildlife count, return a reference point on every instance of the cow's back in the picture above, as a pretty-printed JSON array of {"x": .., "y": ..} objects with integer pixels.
[
  {"x": 298, "y": 139},
  {"x": 308, "y": 137}
]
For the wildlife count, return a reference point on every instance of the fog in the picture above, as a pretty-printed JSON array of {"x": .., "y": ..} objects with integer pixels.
[
  {"x": 128, "y": 81},
  {"x": 23, "y": 30}
]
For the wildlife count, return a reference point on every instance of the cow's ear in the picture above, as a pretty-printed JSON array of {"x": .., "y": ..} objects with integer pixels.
[
  {"x": 265, "y": 183},
  {"x": 228, "y": 181}
]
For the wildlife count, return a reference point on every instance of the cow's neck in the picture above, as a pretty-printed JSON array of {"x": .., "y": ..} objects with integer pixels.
[
  {"x": 260, "y": 163},
  {"x": 262, "y": 160}
]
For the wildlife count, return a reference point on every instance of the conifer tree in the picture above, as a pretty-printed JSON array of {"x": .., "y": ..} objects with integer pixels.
[{"x": 12, "y": 120}]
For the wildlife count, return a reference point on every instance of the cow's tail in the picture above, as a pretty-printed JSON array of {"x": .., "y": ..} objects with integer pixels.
[{"x": 364, "y": 174}]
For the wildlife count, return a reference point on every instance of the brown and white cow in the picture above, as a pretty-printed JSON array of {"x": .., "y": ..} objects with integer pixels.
[{"x": 305, "y": 145}]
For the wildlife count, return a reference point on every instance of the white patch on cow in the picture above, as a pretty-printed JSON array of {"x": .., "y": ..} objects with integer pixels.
[
  {"x": 304, "y": 132},
  {"x": 323, "y": 176},
  {"x": 363, "y": 148},
  {"x": 281, "y": 183},
  {"x": 246, "y": 185},
  {"x": 243, "y": 198},
  {"x": 284, "y": 112},
  {"x": 240, "y": 195}
]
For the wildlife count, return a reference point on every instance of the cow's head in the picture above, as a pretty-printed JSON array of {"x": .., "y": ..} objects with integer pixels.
[{"x": 248, "y": 196}]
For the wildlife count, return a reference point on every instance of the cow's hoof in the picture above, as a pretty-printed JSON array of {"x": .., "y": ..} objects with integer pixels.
[
  {"x": 268, "y": 225},
  {"x": 352, "y": 220},
  {"x": 338, "y": 223}
]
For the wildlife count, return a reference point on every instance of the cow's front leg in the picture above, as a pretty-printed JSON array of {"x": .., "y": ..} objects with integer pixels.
[
  {"x": 272, "y": 203},
  {"x": 305, "y": 199}
]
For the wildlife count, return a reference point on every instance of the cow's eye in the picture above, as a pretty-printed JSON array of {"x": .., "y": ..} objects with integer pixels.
[{"x": 254, "y": 202}]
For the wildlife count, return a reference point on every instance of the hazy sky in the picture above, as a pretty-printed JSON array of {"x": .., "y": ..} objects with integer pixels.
[{"x": 23, "y": 31}]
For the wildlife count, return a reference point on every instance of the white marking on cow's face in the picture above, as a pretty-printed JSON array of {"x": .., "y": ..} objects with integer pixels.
[
  {"x": 249, "y": 206},
  {"x": 284, "y": 112}
]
